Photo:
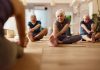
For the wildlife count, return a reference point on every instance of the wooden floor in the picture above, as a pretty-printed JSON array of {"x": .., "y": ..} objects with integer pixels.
[{"x": 78, "y": 56}]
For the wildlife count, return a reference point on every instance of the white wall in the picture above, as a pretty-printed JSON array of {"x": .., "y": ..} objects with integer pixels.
[
  {"x": 95, "y": 6},
  {"x": 48, "y": 1},
  {"x": 78, "y": 17},
  {"x": 49, "y": 15}
]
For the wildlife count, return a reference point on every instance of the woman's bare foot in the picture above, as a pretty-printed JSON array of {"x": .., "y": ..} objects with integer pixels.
[{"x": 53, "y": 41}]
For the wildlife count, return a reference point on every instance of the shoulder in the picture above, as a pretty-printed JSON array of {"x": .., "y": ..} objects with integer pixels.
[
  {"x": 82, "y": 22},
  {"x": 29, "y": 23},
  {"x": 66, "y": 20},
  {"x": 55, "y": 22},
  {"x": 91, "y": 21},
  {"x": 39, "y": 22}
]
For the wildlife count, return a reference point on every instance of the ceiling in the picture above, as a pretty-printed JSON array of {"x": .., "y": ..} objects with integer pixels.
[{"x": 53, "y": 2}]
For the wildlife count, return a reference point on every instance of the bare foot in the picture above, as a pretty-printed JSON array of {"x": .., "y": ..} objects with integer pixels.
[
  {"x": 60, "y": 42},
  {"x": 53, "y": 41}
]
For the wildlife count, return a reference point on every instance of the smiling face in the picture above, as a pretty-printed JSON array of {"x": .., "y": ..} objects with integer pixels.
[{"x": 60, "y": 15}]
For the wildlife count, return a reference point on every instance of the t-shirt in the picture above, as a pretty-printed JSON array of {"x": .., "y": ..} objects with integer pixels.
[
  {"x": 60, "y": 25},
  {"x": 33, "y": 25},
  {"x": 88, "y": 26}
]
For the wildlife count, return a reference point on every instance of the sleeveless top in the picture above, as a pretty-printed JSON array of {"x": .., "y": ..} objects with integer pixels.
[
  {"x": 60, "y": 25},
  {"x": 6, "y": 10}
]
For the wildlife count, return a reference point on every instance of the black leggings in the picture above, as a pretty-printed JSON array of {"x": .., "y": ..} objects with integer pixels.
[{"x": 71, "y": 39}]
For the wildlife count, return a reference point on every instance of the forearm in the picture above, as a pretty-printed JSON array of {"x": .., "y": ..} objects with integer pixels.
[
  {"x": 93, "y": 27},
  {"x": 20, "y": 19},
  {"x": 36, "y": 27},
  {"x": 84, "y": 27},
  {"x": 63, "y": 30},
  {"x": 21, "y": 32}
]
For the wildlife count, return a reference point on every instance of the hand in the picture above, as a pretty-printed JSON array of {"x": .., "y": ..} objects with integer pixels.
[
  {"x": 31, "y": 30},
  {"x": 23, "y": 44},
  {"x": 89, "y": 32},
  {"x": 92, "y": 31}
]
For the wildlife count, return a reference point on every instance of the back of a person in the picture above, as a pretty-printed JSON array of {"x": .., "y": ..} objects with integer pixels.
[
  {"x": 6, "y": 10},
  {"x": 8, "y": 50}
]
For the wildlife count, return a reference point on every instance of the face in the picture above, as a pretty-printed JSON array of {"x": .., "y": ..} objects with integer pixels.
[
  {"x": 33, "y": 19},
  {"x": 86, "y": 19},
  {"x": 60, "y": 17}
]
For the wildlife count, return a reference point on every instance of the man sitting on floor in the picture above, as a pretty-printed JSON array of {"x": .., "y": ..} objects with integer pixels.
[
  {"x": 87, "y": 29},
  {"x": 59, "y": 35},
  {"x": 35, "y": 32}
]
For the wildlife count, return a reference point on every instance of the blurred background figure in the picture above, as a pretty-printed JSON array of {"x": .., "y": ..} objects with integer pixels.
[
  {"x": 9, "y": 51},
  {"x": 36, "y": 32}
]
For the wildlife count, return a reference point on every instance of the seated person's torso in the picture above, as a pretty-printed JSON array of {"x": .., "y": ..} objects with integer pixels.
[
  {"x": 61, "y": 25},
  {"x": 33, "y": 25},
  {"x": 88, "y": 26}
]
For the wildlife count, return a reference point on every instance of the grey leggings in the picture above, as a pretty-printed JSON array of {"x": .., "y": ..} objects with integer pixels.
[
  {"x": 8, "y": 53},
  {"x": 70, "y": 40}
]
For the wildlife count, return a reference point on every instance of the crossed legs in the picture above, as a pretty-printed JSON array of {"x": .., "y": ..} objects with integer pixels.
[{"x": 38, "y": 36}]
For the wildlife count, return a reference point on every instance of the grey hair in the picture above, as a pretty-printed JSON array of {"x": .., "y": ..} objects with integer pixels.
[{"x": 60, "y": 11}]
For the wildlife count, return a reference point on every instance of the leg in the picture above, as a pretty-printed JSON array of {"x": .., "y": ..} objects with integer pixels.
[
  {"x": 85, "y": 37},
  {"x": 72, "y": 39},
  {"x": 31, "y": 37},
  {"x": 97, "y": 36},
  {"x": 8, "y": 53},
  {"x": 41, "y": 34}
]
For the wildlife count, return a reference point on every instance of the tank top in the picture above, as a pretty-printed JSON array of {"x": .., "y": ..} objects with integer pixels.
[{"x": 6, "y": 10}]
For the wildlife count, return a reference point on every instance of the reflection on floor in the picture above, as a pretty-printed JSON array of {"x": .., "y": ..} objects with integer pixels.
[{"x": 78, "y": 56}]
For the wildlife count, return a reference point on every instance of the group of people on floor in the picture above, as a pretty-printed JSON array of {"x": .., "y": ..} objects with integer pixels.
[
  {"x": 60, "y": 27},
  {"x": 10, "y": 51}
]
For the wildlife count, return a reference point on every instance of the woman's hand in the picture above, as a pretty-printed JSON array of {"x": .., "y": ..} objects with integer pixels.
[{"x": 24, "y": 43}]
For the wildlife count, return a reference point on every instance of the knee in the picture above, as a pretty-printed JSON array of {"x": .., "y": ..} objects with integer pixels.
[
  {"x": 29, "y": 33},
  {"x": 45, "y": 31}
]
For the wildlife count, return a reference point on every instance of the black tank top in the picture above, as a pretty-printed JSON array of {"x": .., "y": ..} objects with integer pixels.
[
  {"x": 60, "y": 25},
  {"x": 6, "y": 10}
]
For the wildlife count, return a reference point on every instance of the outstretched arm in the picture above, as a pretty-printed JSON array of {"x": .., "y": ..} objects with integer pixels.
[
  {"x": 63, "y": 30},
  {"x": 58, "y": 33},
  {"x": 19, "y": 13}
]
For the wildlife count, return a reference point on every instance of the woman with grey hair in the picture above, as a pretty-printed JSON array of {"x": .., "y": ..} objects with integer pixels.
[{"x": 60, "y": 27}]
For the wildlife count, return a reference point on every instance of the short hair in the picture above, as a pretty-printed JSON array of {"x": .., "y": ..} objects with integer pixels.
[
  {"x": 33, "y": 16},
  {"x": 86, "y": 16},
  {"x": 60, "y": 11}
]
